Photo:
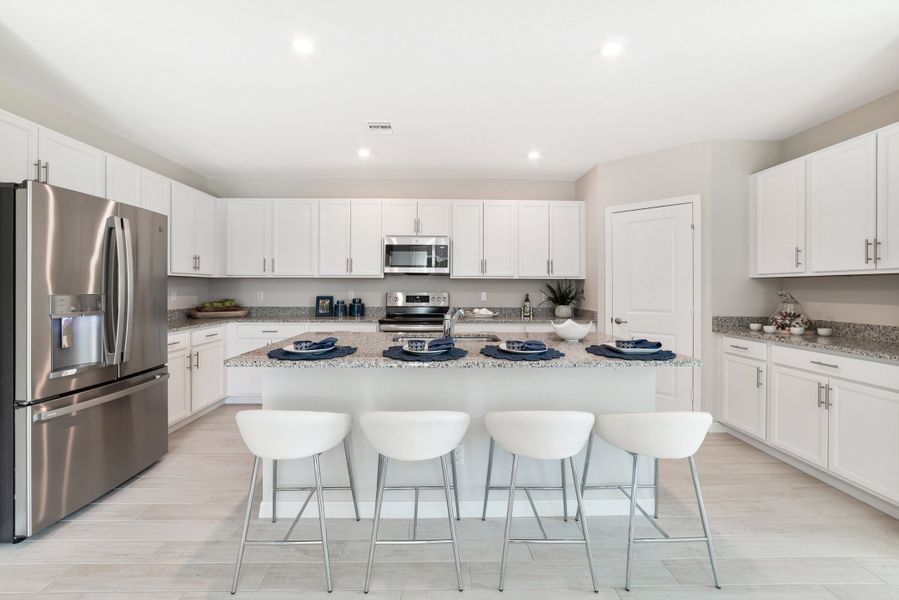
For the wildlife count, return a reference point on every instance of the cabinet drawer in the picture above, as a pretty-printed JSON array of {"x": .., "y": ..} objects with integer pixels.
[
  {"x": 178, "y": 341},
  {"x": 748, "y": 348},
  {"x": 206, "y": 335},
  {"x": 869, "y": 372},
  {"x": 269, "y": 331}
]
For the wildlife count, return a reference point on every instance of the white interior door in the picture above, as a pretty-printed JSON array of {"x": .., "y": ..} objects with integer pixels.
[{"x": 652, "y": 289}]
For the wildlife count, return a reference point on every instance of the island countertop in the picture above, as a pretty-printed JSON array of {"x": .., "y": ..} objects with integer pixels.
[{"x": 370, "y": 348}]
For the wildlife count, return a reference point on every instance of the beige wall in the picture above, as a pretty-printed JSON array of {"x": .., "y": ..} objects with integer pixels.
[
  {"x": 267, "y": 187},
  {"x": 27, "y": 105}
]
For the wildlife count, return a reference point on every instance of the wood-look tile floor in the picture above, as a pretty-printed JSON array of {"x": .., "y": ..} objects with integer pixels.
[{"x": 172, "y": 533}]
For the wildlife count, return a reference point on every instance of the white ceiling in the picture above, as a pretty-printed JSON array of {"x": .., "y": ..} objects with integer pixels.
[{"x": 470, "y": 85}]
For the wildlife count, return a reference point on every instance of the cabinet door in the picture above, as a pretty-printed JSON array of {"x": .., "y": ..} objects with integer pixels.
[
  {"x": 842, "y": 203},
  {"x": 71, "y": 164},
  {"x": 780, "y": 224},
  {"x": 334, "y": 238},
  {"x": 566, "y": 239},
  {"x": 798, "y": 421},
  {"x": 499, "y": 238},
  {"x": 123, "y": 181},
  {"x": 179, "y": 364},
  {"x": 247, "y": 238},
  {"x": 18, "y": 148},
  {"x": 533, "y": 236},
  {"x": 366, "y": 243},
  {"x": 181, "y": 234},
  {"x": 400, "y": 217},
  {"x": 888, "y": 198},
  {"x": 208, "y": 375},
  {"x": 434, "y": 217},
  {"x": 468, "y": 239},
  {"x": 156, "y": 192},
  {"x": 294, "y": 238},
  {"x": 864, "y": 436},
  {"x": 743, "y": 394},
  {"x": 204, "y": 224}
]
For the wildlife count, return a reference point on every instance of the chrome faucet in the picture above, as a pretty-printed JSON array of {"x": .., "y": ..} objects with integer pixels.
[{"x": 449, "y": 323}]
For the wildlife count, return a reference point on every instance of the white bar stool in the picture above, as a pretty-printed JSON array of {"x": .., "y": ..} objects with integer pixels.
[
  {"x": 665, "y": 435},
  {"x": 544, "y": 435},
  {"x": 289, "y": 435},
  {"x": 413, "y": 436}
]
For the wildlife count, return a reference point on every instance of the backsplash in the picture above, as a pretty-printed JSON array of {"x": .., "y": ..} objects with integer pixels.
[{"x": 883, "y": 333}]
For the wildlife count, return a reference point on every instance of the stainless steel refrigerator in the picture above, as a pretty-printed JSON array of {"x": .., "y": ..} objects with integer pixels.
[{"x": 82, "y": 350}]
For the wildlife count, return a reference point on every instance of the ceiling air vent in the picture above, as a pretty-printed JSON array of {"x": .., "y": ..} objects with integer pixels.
[{"x": 380, "y": 127}]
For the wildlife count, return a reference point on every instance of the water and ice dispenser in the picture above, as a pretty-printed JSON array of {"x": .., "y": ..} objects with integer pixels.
[{"x": 77, "y": 333}]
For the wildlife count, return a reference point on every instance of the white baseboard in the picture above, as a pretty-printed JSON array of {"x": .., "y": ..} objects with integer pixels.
[{"x": 186, "y": 420}]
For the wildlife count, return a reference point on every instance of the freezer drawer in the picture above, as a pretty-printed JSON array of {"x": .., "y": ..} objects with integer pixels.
[{"x": 83, "y": 445}]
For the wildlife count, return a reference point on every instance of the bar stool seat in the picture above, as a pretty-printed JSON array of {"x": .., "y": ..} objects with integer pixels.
[
  {"x": 414, "y": 436},
  {"x": 542, "y": 435},
  {"x": 660, "y": 435},
  {"x": 289, "y": 435}
]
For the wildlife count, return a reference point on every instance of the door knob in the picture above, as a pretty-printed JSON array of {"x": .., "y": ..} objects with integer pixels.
[{"x": 619, "y": 321}]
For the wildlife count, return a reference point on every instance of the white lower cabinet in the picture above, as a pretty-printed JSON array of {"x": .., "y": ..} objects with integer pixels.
[
  {"x": 744, "y": 405},
  {"x": 798, "y": 414},
  {"x": 207, "y": 378},
  {"x": 179, "y": 363},
  {"x": 196, "y": 370}
]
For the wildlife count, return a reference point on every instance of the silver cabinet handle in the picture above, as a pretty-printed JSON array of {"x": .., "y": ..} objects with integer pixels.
[
  {"x": 269, "y": 331},
  {"x": 273, "y": 264},
  {"x": 739, "y": 347},
  {"x": 190, "y": 365},
  {"x": 821, "y": 402},
  {"x": 619, "y": 321},
  {"x": 47, "y": 172},
  {"x": 547, "y": 267},
  {"x": 552, "y": 266},
  {"x": 796, "y": 252},
  {"x": 868, "y": 245},
  {"x": 877, "y": 244},
  {"x": 209, "y": 335},
  {"x": 485, "y": 266},
  {"x": 264, "y": 264},
  {"x": 47, "y": 415},
  {"x": 758, "y": 377},
  {"x": 827, "y": 390},
  {"x": 197, "y": 359},
  {"x": 174, "y": 343},
  {"x": 824, "y": 364},
  {"x": 37, "y": 177},
  {"x": 199, "y": 262}
]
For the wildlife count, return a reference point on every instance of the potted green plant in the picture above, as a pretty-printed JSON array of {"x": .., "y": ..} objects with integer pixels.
[{"x": 564, "y": 294}]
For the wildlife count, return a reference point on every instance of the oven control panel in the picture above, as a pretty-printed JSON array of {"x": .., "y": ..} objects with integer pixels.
[{"x": 438, "y": 299}]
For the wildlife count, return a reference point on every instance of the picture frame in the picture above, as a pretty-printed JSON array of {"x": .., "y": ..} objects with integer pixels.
[{"x": 324, "y": 306}]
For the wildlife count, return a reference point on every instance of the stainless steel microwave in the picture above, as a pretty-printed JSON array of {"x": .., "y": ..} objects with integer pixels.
[{"x": 417, "y": 254}]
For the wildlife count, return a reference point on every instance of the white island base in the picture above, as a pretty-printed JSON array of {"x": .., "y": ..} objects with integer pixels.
[{"x": 626, "y": 388}]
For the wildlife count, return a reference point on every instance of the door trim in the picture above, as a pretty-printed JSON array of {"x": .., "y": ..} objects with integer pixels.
[{"x": 695, "y": 202}]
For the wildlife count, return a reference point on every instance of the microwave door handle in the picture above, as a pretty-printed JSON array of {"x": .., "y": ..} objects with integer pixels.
[{"x": 129, "y": 288}]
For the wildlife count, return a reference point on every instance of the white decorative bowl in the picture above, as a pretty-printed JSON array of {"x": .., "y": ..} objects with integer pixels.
[
  {"x": 797, "y": 330},
  {"x": 769, "y": 328},
  {"x": 571, "y": 331},
  {"x": 755, "y": 326}
]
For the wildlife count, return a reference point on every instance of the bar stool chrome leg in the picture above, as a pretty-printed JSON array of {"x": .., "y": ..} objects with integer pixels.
[
  {"x": 274, "y": 491},
  {"x": 349, "y": 470},
  {"x": 379, "y": 498},
  {"x": 455, "y": 485},
  {"x": 449, "y": 513},
  {"x": 246, "y": 524},
  {"x": 582, "y": 514},
  {"x": 321, "y": 518},
  {"x": 489, "y": 472},
  {"x": 631, "y": 526},
  {"x": 565, "y": 492},
  {"x": 508, "y": 530},
  {"x": 705, "y": 522},
  {"x": 655, "y": 493}
]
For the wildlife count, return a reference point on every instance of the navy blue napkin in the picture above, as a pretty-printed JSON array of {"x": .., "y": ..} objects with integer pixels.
[
  {"x": 397, "y": 352},
  {"x": 528, "y": 345},
  {"x": 495, "y": 352},
  {"x": 328, "y": 342},
  {"x": 444, "y": 343},
  {"x": 641, "y": 343},
  {"x": 613, "y": 352},
  {"x": 335, "y": 352}
]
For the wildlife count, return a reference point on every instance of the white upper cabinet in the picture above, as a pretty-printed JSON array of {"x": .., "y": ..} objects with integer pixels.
[
  {"x": 366, "y": 243},
  {"x": 249, "y": 241},
  {"x": 887, "y": 250},
  {"x": 533, "y": 239},
  {"x": 70, "y": 164},
  {"x": 349, "y": 238},
  {"x": 18, "y": 149},
  {"x": 334, "y": 238},
  {"x": 191, "y": 223},
  {"x": 468, "y": 239},
  {"x": 567, "y": 246},
  {"x": 156, "y": 192},
  {"x": 123, "y": 181},
  {"x": 842, "y": 205},
  {"x": 500, "y": 238},
  {"x": 779, "y": 211},
  {"x": 294, "y": 235},
  {"x": 416, "y": 217}
]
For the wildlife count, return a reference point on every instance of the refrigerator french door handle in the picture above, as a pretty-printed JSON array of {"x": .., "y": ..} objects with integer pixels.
[
  {"x": 117, "y": 325},
  {"x": 48, "y": 415},
  {"x": 129, "y": 285}
]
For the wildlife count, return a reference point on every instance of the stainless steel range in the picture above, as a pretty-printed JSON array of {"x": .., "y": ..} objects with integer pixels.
[{"x": 415, "y": 312}]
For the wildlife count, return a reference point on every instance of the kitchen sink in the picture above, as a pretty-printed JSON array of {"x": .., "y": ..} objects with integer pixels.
[{"x": 478, "y": 337}]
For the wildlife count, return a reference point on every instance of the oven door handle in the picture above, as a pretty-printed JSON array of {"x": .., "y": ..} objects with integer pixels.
[{"x": 49, "y": 415}]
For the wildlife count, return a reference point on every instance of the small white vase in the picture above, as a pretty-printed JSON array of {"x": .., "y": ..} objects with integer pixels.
[{"x": 564, "y": 311}]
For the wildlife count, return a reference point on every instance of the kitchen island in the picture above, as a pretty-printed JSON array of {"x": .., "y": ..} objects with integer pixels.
[{"x": 476, "y": 384}]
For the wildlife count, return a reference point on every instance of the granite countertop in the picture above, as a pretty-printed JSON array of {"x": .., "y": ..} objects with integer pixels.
[
  {"x": 371, "y": 345},
  {"x": 854, "y": 346},
  {"x": 186, "y": 324}
]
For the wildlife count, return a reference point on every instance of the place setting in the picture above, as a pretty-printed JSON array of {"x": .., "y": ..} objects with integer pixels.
[
  {"x": 426, "y": 350},
  {"x": 636, "y": 349},
  {"x": 517, "y": 350},
  {"x": 324, "y": 349}
]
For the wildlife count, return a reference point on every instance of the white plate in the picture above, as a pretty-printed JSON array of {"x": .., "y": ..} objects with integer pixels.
[
  {"x": 407, "y": 349},
  {"x": 314, "y": 351},
  {"x": 639, "y": 350},
  {"x": 503, "y": 347}
]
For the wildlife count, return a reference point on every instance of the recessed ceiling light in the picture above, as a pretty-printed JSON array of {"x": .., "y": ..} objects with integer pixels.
[
  {"x": 534, "y": 155},
  {"x": 364, "y": 152},
  {"x": 611, "y": 48},
  {"x": 304, "y": 46}
]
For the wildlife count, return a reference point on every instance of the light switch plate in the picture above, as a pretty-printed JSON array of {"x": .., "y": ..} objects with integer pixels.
[{"x": 483, "y": 296}]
